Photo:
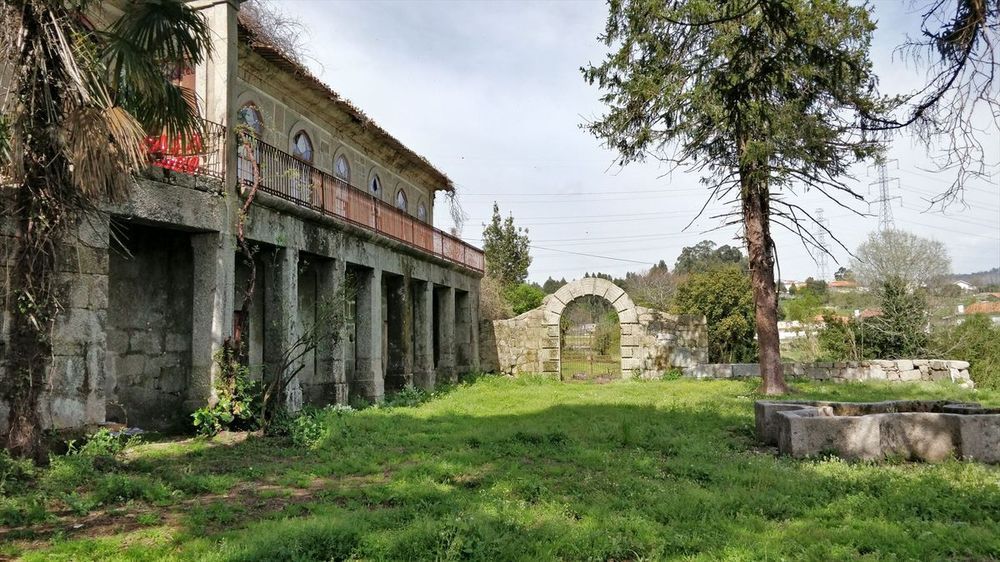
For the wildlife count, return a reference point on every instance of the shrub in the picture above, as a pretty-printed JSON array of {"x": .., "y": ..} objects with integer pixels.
[
  {"x": 408, "y": 397},
  {"x": 672, "y": 375},
  {"x": 14, "y": 473},
  {"x": 607, "y": 334},
  {"x": 238, "y": 406},
  {"x": 524, "y": 297},
  {"x": 308, "y": 427},
  {"x": 103, "y": 443},
  {"x": 898, "y": 332},
  {"x": 492, "y": 303},
  {"x": 976, "y": 340},
  {"x": 15, "y": 512},
  {"x": 724, "y": 297}
]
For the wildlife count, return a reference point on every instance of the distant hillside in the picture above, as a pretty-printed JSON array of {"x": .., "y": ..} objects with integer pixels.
[{"x": 979, "y": 278}]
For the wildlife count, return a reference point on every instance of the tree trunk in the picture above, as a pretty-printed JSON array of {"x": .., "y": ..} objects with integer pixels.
[
  {"x": 29, "y": 350},
  {"x": 756, "y": 221},
  {"x": 39, "y": 210}
]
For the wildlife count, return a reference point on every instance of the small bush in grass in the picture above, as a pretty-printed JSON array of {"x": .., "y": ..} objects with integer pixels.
[
  {"x": 116, "y": 488},
  {"x": 672, "y": 375},
  {"x": 16, "y": 512},
  {"x": 308, "y": 427},
  {"x": 78, "y": 504},
  {"x": 14, "y": 473},
  {"x": 103, "y": 443},
  {"x": 238, "y": 406},
  {"x": 409, "y": 397}
]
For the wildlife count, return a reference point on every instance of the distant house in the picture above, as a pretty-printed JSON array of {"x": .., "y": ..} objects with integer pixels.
[
  {"x": 868, "y": 313},
  {"x": 793, "y": 284},
  {"x": 965, "y": 286},
  {"x": 844, "y": 286},
  {"x": 989, "y": 309}
]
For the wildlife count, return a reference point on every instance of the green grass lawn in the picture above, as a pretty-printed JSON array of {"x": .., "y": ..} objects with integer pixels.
[{"x": 503, "y": 469}]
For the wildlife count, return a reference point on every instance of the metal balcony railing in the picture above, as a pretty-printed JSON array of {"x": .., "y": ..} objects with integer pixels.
[
  {"x": 201, "y": 155},
  {"x": 285, "y": 176}
]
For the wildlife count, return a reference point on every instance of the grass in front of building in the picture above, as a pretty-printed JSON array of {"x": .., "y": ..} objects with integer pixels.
[{"x": 502, "y": 469}]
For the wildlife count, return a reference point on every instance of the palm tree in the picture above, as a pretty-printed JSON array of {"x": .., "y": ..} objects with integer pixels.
[{"x": 77, "y": 104}]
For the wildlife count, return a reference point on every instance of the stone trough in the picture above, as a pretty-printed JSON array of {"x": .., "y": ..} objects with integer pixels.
[{"x": 927, "y": 430}]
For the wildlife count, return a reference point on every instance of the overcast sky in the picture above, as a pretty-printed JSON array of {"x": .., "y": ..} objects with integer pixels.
[{"x": 491, "y": 93}]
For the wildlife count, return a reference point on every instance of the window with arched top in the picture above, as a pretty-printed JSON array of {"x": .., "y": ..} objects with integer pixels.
[
  {"x": 401, "y": 200},
  {"x": 300, "y": 184},
  {"x": 251, "y": 123},
  {"x": 422, "y": 211},
  {"x": 376, "y": 185},
  {"x": 342, "y": 168},
  {"x": 302, "y": 147},
  {"x": 249, "y": 116}
]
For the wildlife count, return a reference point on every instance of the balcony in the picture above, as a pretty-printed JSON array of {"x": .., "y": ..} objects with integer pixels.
[
  {"x": 284, "y": 176},
  {"x": 198, "y": 156}
]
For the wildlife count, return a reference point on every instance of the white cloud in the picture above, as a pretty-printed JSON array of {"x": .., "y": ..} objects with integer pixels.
[{"x": 492, "y": 94}]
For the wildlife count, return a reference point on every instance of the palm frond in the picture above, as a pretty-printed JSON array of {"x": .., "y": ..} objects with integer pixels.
[
  {"x": 168, "y": 31},
  {"x": 151, "y": 41},
  {"x": 106, "y": 148}
]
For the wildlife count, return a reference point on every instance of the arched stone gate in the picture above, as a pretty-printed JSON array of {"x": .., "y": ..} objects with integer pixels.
[
  {"x": 652, "y": 341},
  {"x": 628, "y": 319}
]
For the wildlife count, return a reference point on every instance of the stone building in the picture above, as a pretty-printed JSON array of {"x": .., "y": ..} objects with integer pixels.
[{"x": 151, "y": 288}]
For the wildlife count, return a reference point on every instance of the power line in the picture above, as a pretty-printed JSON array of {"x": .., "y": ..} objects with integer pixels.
[{"x": 588, "y": 255}]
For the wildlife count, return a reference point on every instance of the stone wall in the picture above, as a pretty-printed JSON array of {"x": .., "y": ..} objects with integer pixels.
[
  {"x": 651, "y": 341},
  {"x": 513, "y": 346},
  {"x": 149, "y": 326},
  {"x": 898, "y": 370},
  {"x": 74, "y": 392}
]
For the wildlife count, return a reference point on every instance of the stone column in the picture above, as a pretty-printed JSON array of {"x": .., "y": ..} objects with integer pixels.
[
  {"x": 214, "y": 258},
  {"x": 330, "y": 350},
  {"x": 369, "y": 379},
  {"x": 463, "y": 332},
  {"x": 282, "y": 330},
  {"x": 399, "y": 362},
  {"x": 446, "y": 334},
  {"x": 423, "y": 329},
  {"x": 78, "y": 386},
  {"x": 474, "y": 329}
]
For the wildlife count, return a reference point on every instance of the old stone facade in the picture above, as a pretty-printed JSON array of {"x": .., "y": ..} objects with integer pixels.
[
  {"x": 151, "y": 288},
  {"x": 652, "y": 341}
]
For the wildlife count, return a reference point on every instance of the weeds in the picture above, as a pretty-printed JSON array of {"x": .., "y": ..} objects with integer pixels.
[{"x": 500, "y": 469}]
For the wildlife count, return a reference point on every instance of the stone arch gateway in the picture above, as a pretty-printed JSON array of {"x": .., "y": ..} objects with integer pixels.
[
  {"x": 628, "y": 320},
  {"x": 652, "y": 341}
]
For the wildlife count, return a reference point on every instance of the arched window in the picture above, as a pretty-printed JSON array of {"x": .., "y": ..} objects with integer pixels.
[
  {"x": 302, "y": 147},
  {"x": 300, "y": 186},
  {"x": 422, "y": 211},
  {"x": 376, "y": 185},
  {"x": 342, "y": 168},
  {"x": 250, "y": 117},
  {"x": 250, "y": 121},
  {"x": 401, "y": 200}
]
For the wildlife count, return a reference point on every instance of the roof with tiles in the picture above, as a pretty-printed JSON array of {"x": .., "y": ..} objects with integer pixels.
[
  {"x": 277, "y": 57},
  {"x": 983, "y": 308}
]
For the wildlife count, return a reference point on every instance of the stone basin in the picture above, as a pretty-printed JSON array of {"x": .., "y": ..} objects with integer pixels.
[{"x": 927, "y": 430}]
